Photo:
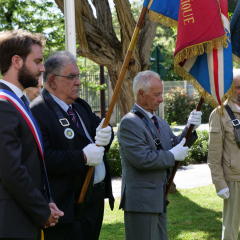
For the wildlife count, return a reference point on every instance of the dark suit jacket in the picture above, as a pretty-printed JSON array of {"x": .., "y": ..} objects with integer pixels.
[
  {"x": 23, "y": 208},
  {"x": 63, "y": 164},
  {"x": 143, "y": 166}
]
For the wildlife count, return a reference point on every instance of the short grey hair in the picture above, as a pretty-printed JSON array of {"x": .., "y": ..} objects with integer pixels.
[
  {"x": 55, "y": 63},
  {"x": 143, "y": 81}
]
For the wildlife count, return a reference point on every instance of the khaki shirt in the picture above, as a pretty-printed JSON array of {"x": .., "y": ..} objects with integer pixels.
[{"x": 223, "y": 154}]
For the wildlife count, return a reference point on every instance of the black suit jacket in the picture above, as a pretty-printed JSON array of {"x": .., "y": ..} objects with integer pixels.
[
  {"x": 63, "y": 164},
  {"x": 23, "y": 207}
]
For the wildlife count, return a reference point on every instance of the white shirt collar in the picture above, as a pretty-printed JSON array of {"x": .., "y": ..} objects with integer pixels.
[
  {"x": 14, "y": 88},
  {"x": 61, "y": 103},
  {"x": 148, "y": 113}
]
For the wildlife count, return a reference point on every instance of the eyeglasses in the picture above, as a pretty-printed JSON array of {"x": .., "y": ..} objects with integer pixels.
[{"x": 71, "y": 77}]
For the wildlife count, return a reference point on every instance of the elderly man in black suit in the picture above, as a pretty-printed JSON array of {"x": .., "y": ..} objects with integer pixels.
[
  {"x": 70, "y": 128},
  {"x": 24, "y": 192}
]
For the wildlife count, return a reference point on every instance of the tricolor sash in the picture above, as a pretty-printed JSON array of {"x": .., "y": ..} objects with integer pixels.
[{"x": 12, "y": 97}]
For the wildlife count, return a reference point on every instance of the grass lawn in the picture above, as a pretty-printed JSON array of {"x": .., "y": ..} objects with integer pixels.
[{"x": 194, "y": 214}]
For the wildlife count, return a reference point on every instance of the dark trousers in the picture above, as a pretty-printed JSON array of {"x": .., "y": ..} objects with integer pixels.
[
  {"x": 91, "y": 220},
  {"x": 67, "y": 231},
  {"x": 88, "y": 227}
]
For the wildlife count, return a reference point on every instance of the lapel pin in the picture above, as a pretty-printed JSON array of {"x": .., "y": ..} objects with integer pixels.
[{"x": 69, "y": 133}]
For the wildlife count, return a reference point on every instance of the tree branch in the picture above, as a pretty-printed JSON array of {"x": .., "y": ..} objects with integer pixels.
[
  {"x": 146, "y": 37},
  {"x": 126, "y": 21},
  {"x": 104, "y": 21}
]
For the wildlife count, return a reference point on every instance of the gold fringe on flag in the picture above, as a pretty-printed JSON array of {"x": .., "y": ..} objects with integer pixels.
[
  {"x": 202, "y": 92},
  {"x": 199, "y": 49},
  {"x": 156, "y": 17}
]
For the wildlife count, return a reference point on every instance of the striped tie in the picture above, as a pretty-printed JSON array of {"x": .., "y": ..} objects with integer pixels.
[
  {"x": 73, "y": 116},
  {"x": 156, "y": 123}
]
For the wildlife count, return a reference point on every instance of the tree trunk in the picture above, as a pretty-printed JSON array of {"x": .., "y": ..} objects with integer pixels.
[{"x": 98, "y": 42}]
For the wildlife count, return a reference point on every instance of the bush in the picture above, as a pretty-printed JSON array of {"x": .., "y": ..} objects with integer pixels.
[
  {"x": 114, "y": 159},
  {"x": 196, "y": 154},
  {"x": 199, "y": 150},
  {"x": 178, "y": 105}
]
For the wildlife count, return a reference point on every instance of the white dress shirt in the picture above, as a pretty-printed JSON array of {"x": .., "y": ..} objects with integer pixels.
[{"x": 14, "y": 88}]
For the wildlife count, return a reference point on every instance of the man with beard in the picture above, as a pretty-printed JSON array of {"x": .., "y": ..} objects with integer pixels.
[
  {"x": 25, "y": 199},
  {"x": 70, "y": 132},
  {"x": 224, "y": 160},
  {"x": 33, "y": 92}
]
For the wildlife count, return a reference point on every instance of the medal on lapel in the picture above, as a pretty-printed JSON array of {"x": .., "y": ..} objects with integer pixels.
[{"x": 69, "y": 133}]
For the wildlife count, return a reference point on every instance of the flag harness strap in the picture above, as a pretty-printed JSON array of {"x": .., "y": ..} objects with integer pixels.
[
  {"x": 235, "y": 123},
  {"x": 149, "y": 128}
]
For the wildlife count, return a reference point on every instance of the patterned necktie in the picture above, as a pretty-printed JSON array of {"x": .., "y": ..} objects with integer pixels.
[
  {"x": 26, "y": 103},
  {"x": 156, "y": 123},
  {"x": 73, "y": 116}
]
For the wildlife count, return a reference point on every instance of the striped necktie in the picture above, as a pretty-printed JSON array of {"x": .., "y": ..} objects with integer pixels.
[
  {"x": 73, "y": 116},
  {"x": 156, "y": 123}
]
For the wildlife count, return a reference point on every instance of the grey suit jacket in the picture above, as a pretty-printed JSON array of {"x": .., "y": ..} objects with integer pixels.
[{"x": 143, "y": 166}]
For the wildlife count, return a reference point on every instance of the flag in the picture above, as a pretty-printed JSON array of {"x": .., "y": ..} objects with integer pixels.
[
  {"x": 163, "y": 11},
  {"x": 235, "y": 33},
  {"x": 203, "y": 49}
]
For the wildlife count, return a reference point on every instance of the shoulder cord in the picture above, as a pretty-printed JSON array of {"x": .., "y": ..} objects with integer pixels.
[{"x": 149, "y": 127}]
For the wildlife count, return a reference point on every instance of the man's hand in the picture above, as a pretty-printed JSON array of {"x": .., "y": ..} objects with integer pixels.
[
  {"x": 179, "y": 152},
  {"x": 103, "y": 136},
  {"x": 55, "y": 214},
  {"x": 224, "y": 193},
  {"x": 93, "y": 154},
  {"x": 195, "y": 118}
]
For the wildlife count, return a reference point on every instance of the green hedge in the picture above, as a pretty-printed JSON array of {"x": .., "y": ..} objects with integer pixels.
[
  {"x": 196, "y": 154},
  {"x": 178, "y": 105}
]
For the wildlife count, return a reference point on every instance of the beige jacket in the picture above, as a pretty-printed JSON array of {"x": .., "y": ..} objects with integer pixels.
[{"x": 223, "y": 154}]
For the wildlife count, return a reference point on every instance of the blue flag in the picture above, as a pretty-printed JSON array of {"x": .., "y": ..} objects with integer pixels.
[
  {"x": 235, "y": 31},
  {"x": 163, "y": 11}
]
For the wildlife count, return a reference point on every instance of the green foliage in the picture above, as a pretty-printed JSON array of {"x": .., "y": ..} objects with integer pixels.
[
  {"x": 165, "y": 38},
  {"x": 199, "y": 150},
  {"x": 178, "y": 105},
  {"x": 41, "y": 16},
  {"x": 114, "y": 159}
]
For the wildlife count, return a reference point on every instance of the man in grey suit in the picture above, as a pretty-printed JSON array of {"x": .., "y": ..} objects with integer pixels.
[{"x": 148, "y": 150}]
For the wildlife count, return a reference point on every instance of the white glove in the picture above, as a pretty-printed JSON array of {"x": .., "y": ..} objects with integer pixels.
[
  {"x": 94, "y": 154},
  {"x": 224, "y": 193},
  {"x": 179, "y": 152},
  {"x": 103, "y": 136},
  {"x": 195, "y": 119}
]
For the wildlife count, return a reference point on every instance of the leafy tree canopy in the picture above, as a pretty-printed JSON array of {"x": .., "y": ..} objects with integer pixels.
[{"x": 40, "y": 16}]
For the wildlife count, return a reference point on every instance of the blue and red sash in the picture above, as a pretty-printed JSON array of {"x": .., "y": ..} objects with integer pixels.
[
  {"x": 12, "y": 97},
  {"x": 5, "y": 94}
]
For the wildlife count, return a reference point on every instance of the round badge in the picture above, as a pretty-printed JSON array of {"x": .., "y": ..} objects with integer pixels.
[{"x": 69, "y": 133}]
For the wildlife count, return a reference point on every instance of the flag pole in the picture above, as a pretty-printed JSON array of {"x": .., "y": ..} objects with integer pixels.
[
  {"x": 115, "y": 93},
  {"x": 177, "y": 163}
]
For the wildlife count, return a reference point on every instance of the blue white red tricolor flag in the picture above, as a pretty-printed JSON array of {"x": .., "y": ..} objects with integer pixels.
[{"x": 203, "y": 50}]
